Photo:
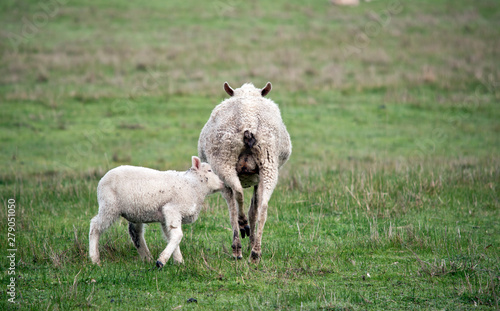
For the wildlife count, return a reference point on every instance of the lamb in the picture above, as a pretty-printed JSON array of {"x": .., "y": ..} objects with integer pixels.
[
  {"x": 246, "y": 142},
  {"x": 142, "y": 195}
]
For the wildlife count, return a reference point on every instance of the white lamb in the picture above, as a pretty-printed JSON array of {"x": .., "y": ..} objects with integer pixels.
[
  {"x": 246, "y": 142},
  {"x": 143, "y": 195}
]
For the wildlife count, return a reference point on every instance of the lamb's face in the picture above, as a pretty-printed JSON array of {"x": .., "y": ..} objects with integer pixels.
[
  {"x": 207, "y": 177},
  {"x": 212, "y": 181}
]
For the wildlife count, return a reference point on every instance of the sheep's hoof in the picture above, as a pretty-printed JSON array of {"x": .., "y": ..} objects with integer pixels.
[
  {"x": 147, "y": 258},
  {"x": 237, "y": 251},
  {"x": 245, "y": 230},
  {"x": 255, "y": 257},
  {"x": 237, "y": 255},
  {"x": 96, "y": 262},
  {"x": 159, "y": 265}
]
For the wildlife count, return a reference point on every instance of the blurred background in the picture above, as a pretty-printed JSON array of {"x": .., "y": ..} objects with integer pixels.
[{"x": 85, "y": 85}]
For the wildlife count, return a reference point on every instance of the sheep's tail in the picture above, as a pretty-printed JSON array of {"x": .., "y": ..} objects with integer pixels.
[{"x": 249, "y": 139}]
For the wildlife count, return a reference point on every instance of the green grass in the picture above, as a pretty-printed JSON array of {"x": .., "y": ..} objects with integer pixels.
[{"x": 389, "y": 201}]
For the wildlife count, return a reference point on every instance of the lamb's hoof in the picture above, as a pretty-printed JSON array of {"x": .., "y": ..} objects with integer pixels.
[
  {"x": 255, "y": 257},
  {"x": 245, "y": 230},
  {"x": 159, "y": 265}
]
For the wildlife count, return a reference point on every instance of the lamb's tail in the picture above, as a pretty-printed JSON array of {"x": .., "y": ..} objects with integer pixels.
[{"x": 249, "y": 139}]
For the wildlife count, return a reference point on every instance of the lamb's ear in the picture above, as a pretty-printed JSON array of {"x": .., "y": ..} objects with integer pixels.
[
  {"x": 266, "y": 89},
  {"x": 228, "y": 89},
  {"x": 196, "y": 162}
]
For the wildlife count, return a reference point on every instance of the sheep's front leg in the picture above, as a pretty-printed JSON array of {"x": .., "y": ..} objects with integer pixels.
[
  {"x": 136, "y": 231},
  {"x": 172, "y": 229},
  {"x": 176, "y": 255}
]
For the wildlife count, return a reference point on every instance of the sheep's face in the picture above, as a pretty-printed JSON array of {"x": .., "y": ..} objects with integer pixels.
[{"x": 207, "y": 176}]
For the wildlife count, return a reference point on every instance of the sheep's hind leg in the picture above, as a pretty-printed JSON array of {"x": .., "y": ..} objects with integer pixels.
[
  {"x": 94, "y": 234},
  {"x": 252, "y": 217},
  {"x": 98, "y": 225},
  {"x": 136, "y": 231},
  {"x": 267, "y": 183},
  {"x": 230, "y": 197}
]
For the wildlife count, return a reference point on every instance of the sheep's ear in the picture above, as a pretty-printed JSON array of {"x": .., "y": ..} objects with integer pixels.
[
  {"x": 266, "y": 89},
  {"x": 228, "y": 89},
  {"x": 196, "y": 162}
]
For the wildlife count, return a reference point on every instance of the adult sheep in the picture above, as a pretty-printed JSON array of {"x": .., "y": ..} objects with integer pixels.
[{"x": 246, "y": 142}]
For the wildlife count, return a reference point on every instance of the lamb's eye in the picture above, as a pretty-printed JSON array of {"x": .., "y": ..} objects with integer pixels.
[{"x": 209, "y": 170}]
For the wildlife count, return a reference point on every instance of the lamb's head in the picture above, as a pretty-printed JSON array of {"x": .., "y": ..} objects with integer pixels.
[
  {"x": 204, "y": 173},
  {"x": 248, "y": 89}
]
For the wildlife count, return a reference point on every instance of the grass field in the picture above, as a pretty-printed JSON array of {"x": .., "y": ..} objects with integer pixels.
[{"x": 391, "y": 197}]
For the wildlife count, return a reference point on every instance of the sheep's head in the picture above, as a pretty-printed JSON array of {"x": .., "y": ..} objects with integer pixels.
[
  {"x": 248, "y": 89},
  {"x": 206, "y": 175}
]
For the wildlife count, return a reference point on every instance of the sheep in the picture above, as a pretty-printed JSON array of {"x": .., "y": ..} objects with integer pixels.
[
  {"x": 246, "y": 142},
  {"x": 346, "y": 2},
  {"x": 143, "y": 195}
]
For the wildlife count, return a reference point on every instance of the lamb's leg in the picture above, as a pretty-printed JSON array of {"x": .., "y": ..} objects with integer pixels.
[
  {"x": 136, "y": 231},
  {"x": 267, "y": 183},
  {"x": 98, "y": 225},
  {"x": 94, "y": 234},
  {"x": 176, "y": 255},
  {"x": 172, "y": 229}
]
